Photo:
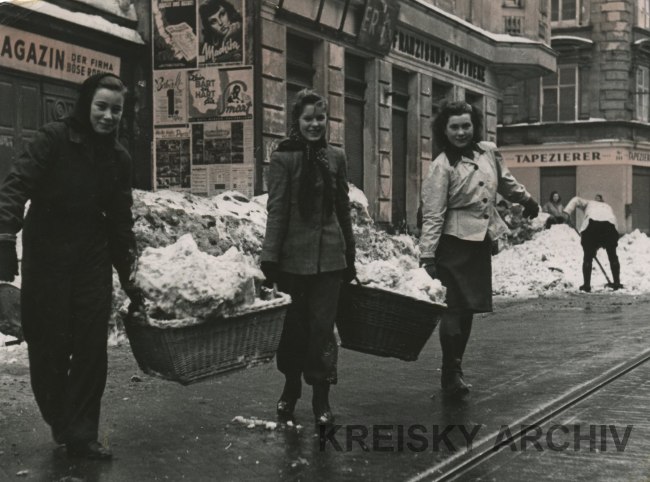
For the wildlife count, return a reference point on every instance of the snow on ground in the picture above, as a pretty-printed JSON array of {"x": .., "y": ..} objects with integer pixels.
[{"x": 551, "y": 264}]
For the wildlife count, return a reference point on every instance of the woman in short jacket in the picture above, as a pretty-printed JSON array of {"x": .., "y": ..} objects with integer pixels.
[
  {"x": 460, "y": 221},
  {"x": 78, "y": 179},
  {"x": 308, "y": 249}
]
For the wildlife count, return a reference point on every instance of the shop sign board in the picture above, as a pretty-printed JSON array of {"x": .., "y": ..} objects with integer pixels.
[
  {"x": 378, "y": 25},
  {"x": 36, "y": 54},
  {"x": 576, "y": 155}
]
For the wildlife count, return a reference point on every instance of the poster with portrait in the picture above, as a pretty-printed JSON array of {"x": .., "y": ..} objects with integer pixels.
[
  {"x": 221, "y": 32},
  {"x": 170, "y": 97},
  {"x": 172, "y": 157},
  {"x": 175, "y": 42},
  {"x": 220, "y": 94}
]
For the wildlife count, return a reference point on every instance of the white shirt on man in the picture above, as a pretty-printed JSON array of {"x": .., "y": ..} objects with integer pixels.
[{"x": 596, "y": 210}]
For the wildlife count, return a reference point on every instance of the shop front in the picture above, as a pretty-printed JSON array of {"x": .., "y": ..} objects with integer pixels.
[
  {"x": 46, "y": 52},
  {"x": 618, "y": 170}
]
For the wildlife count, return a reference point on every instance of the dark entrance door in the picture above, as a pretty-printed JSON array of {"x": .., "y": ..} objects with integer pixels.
[
  {"x": 27, "y": 103},
  {"x": 560, "y": 179},
  {"x": 399, "y": 168},
  {"x": 641, "y": 199}
]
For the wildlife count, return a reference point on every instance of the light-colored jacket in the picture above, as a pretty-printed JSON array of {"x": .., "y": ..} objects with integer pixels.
[
  {"x": 596, "y": 210},
  {"x": 461, "y": 200},
  {"x": 320, "y": 243}
]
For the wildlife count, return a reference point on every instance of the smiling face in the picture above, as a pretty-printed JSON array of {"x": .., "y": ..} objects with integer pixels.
[
  {"x": 106, "y": 110},
  {"x": 312, "y": 122},
  {"x": 460, "y": 130},
  {"x": 219, "y": 21}
]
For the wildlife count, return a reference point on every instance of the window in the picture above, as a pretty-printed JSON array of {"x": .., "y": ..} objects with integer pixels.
[
  {"x": 564, "y": 10},
  {"x": 300, "y": 67},
  {"x": 355, "y": 92},
  {"x": 643, "y": 16},
  {"x": 642, "y": 94},
  {"x": 513, "y": 3},
  {"x": 560, "y": 95}
]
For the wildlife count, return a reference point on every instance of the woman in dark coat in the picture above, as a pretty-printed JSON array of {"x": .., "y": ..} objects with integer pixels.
[
  {"x": 555, "y": 208},
  {"x": 308, "y": 249},
  {"x": 460, "y": 221},
  {"x": 78, "y": 179}
]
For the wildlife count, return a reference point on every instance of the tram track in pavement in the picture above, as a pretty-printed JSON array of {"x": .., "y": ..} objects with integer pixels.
[{"x": 454, "y": 467}]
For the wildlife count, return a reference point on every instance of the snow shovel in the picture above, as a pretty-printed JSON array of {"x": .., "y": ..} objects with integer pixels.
[
  {"x": 10, "y": 313},
  {"x": 609, "y": 282}
]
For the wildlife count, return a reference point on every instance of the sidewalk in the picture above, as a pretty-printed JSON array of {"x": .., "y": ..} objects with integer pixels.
[{"x": 519, "y": 358}]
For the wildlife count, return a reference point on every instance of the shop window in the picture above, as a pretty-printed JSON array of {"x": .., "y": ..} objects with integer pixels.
[
  {"x": 642, "y": 94},
  {"x": 300, "y": 67},
  {"x": 643, "y": 16},
  {"x": 439, "y": 94},
  {"x": 560, "y": 95},
  {"x": 564, "y": 11},
  {"x": 355, "y": 92}
]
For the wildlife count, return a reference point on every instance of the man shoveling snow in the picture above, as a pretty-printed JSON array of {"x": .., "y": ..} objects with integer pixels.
[{"x": 598, "y": 230}]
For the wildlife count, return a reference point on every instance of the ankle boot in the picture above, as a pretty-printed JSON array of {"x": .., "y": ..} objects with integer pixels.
[
  {"x": 451, "y": 379},
  {"x": 290, "y": 394},
  {"x": 321, "y": 404}
]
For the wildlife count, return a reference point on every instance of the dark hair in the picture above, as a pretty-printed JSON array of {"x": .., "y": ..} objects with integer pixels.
[
  {"x": 449, "y": 109},
  {"x": 599, "y": 196},
  {"x": 209, "y": 8},
  {"x": 559, "y": 198}
]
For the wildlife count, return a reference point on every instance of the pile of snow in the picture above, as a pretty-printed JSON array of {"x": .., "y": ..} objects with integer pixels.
[
  {"x": 182, "y": 282},
  {"x": 402, "y": 275},
  {"x": 551, "y": 263}
]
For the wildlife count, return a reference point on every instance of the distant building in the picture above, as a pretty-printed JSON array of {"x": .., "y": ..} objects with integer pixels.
[{"x": 584, "y": 130}]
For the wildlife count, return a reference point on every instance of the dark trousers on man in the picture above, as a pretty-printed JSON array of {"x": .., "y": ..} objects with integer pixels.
[
  {"x": 599, "y": 234},
  {"x": 65, "y": 321},
  {"x": 308, "y": 346}
]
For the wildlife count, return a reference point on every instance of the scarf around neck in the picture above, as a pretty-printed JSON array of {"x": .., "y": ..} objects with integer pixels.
[{"x": 314, "y": 163}]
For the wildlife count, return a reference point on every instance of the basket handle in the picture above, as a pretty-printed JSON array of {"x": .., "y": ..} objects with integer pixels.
[{"x": 361, "y": 283}]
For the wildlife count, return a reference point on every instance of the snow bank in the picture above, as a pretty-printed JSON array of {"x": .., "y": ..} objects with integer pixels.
[{"x": 551, "y": 263}]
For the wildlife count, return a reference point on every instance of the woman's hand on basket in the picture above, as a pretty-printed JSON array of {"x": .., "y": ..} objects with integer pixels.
[
  {"x": 429, "y": 265},
  {"x": 271, "y": 272}
]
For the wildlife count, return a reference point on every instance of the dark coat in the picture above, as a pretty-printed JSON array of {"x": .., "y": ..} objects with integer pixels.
[
  {"x": 319, "y": 244},
  {"x": 80, "y": 201}
]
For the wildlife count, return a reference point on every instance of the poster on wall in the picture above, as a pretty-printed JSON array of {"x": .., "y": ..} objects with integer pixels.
[
  {"x": 220, "y": 94},
  {"x": 221, "y": 32},
  {"x": 174, "y": 34},
  {"x": 172, "y": 155},
  {"x": 170, "y": 97}
]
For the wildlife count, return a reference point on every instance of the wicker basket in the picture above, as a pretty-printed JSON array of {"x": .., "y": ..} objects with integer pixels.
[
  {"x": 384, "y": 323},
  {"x": 192, "y": 353}
]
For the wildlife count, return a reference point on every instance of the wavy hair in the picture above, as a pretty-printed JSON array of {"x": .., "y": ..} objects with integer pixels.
[{"x": 450, "y": 109}]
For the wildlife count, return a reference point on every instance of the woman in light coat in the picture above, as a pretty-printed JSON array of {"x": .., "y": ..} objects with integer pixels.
[{"x": 460, "y": 221}]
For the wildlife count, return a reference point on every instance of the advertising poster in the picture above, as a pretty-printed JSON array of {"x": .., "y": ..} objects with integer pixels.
[
  {"x": 170, "y": 97},
  {"x": 221, "y": 32},
  {"x": 224, "y": 94},
  {"x": 174, "y": 34},
  {"x": 223, "y": 177},
  {"x": 172, "y": 155}
]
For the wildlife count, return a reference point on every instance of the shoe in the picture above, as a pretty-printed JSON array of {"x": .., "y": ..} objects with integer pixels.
[
  {"x": 453, "y": 384},
  {"x": 89, "y": 450},
  {"x": 284, "y": 410},
  {"x": 324, "y": 418},
  {"x": 585, "y": 288},
  {"x": 615, "y": 286}
]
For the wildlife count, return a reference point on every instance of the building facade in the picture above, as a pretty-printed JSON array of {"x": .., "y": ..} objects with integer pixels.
[
  {"x": 385, "y": 67},
  {"x": 584, "y": 129}
]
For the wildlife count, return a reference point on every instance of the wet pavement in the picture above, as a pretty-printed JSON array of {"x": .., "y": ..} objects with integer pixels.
[{"x": 521, "y": 360}]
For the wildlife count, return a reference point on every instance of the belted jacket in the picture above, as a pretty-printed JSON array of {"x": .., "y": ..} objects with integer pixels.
[
  {"x": 460, "y": 200},
  {"x": 314, "y": 245}
]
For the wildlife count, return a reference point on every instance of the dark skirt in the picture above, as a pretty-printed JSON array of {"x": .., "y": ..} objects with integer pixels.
[{"x": 465, "y": 269}]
